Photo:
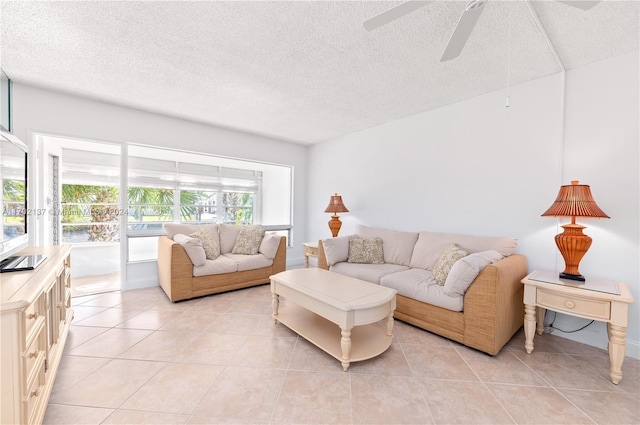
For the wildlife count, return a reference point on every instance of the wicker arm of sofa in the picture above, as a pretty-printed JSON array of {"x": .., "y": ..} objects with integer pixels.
[
  {"x": 175, "y": 269},
  {"x": 322, "y": 257},
  {"x": 493, "y": 304}
]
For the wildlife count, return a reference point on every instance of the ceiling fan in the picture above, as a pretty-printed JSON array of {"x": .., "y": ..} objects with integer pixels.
[{"x": 465, "y": 25}]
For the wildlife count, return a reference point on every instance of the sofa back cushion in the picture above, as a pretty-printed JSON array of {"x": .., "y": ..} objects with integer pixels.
[
  {"x": 397, "y": 246},
  {"x": 431, "y": 245},
  {"x": 172, "y": 229},
  {"x": 229, "y": 234}
]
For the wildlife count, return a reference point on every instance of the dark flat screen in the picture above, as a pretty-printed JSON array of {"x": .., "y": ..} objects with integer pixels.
[{"x": 21, "y": 262}]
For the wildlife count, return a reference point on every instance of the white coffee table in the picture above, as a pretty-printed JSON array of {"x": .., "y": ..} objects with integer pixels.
[{"x": 316, "y": 300}]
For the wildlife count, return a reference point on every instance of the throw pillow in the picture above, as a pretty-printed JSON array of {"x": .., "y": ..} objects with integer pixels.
[
  {"x": 269, "y": 246},
  {"x": 211, "y": 248},
  {"x": 451, "y": 254},
  {"x": 367, "y": 251},
  {"x": 336, "y": 250},
  {"x": 466, "y": 269},
  {"x": 248, "y": 241},
  {"x": 193, "y": 248}
]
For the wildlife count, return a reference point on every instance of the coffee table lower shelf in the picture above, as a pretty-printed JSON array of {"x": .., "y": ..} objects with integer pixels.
[{"x": 367, "y": 341}]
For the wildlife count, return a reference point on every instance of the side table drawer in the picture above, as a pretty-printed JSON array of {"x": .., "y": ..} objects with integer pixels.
[{"x": 594, "y": 309}]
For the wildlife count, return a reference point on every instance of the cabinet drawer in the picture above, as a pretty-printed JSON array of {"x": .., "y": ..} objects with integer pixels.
[
  {"x": 34, "y": 353},
  {"x": 32, "y": 316},
  {"x": 593, "y": 309},
  {"x": 35, "y": 392}
]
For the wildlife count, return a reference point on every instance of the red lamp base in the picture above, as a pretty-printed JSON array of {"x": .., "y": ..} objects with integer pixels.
[
  {"x": 335, "y": 224},
  {"x": 572, "y": 244}
]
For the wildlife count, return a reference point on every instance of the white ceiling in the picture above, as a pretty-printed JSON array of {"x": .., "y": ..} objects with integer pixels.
[{"x": 302, "y": 71}]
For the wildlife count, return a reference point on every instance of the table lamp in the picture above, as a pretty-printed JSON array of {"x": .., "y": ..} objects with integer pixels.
[
  {"x": 335, "y": 206},
  {"x": 574, "y": 200}
]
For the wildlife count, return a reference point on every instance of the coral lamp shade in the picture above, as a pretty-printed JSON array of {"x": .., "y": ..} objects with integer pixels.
[
  {"x": 336, "y": 205},
  {"x": 575, "y": 200}
]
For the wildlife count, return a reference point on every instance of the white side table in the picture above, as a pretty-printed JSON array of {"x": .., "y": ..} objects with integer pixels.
[
  {"x": 310, "y": 249},
  {"x": 595, "y": 299}
]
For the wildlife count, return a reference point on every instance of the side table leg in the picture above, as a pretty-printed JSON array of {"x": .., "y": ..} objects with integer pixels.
[
  {"x": 529, "y": 326},
  {"x": 617, "y": 350},
  {"x": 345, "y": 343},
  {"x": 540, "y": 313},
  {"x": 275, "y": 304}
]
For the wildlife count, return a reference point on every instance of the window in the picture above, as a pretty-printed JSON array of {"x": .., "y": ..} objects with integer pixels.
[
  {"x": 90, "y": 213},
  {"x": 90, "y": 201},
  {"x": 237, "y": 208},
  {"x": 172, "y": 186}
]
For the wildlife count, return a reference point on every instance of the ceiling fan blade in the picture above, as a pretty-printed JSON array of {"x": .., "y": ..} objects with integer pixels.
[
  {"x": 580, "y": 4},
  {"x": 463, "y": 30},
  {"x": 393, "y": 14}
]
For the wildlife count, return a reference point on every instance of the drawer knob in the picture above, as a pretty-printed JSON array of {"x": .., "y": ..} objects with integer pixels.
[
  {"x": 570, "y": 304},
  {"x": 33, "y": 315},
  {"x": 33, "y": 354},
  {"x": 35, "y": 393}
]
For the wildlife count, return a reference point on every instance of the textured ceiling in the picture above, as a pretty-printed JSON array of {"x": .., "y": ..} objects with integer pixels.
[{"x": 301, "y": 71}]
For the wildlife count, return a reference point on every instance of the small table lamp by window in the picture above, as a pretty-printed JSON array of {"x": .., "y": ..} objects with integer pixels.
[
  {"x": 335, "y": 206},
  {"x": 574, "y": 200}
]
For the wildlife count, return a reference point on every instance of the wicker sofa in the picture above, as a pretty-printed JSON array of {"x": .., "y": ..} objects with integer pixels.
[
  {"x": 486, "y": 314},
  {"x": 181, "y": 279}
]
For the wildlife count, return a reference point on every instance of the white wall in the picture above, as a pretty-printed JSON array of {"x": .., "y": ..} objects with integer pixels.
[
  {"x": 477, "y": 167},
  {"x": 37, "y": 110}
]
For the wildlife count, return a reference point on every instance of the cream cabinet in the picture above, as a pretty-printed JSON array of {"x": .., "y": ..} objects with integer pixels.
[{"x": 35, "y": 315}]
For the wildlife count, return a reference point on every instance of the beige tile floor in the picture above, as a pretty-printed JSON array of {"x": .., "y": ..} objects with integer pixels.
[{"x": 134, "y": 357}]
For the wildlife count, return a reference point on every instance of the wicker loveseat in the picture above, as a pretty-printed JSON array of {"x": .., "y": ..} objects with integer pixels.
[
  {"x": 181, "y": 279},
  {"x": 484, "y": 315}
]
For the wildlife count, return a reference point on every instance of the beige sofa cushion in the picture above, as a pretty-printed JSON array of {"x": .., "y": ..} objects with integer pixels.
[
  {"x": 336, "y": 249},
  {"x": 193, "y": 248},
  {"x": 172, "y": 229},
  {"x": 220, "y": 265},
  {"x": 397, "y": 246},
  {"x": 249, "y": 262},
  {"x": 369, "y": 272},
  {"x": 431, "y": 245},
  {"x": 420, "y": 285},
  {"x": 269, "y": 246},
  {"x": 465, "y": 270}
]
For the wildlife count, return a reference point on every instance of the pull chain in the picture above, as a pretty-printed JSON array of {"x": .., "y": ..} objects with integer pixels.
[{"x": 508, "y": 54}]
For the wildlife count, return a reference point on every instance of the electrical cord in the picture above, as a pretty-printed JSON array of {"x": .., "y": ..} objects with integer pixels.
[{"x": 550, "y": 325}]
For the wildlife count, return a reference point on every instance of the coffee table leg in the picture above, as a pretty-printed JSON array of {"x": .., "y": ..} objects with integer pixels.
[
  {"x": 275, "y": 304},
  {"x": 345, "y": 343},
  {"x": 390, "y": 324}
]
